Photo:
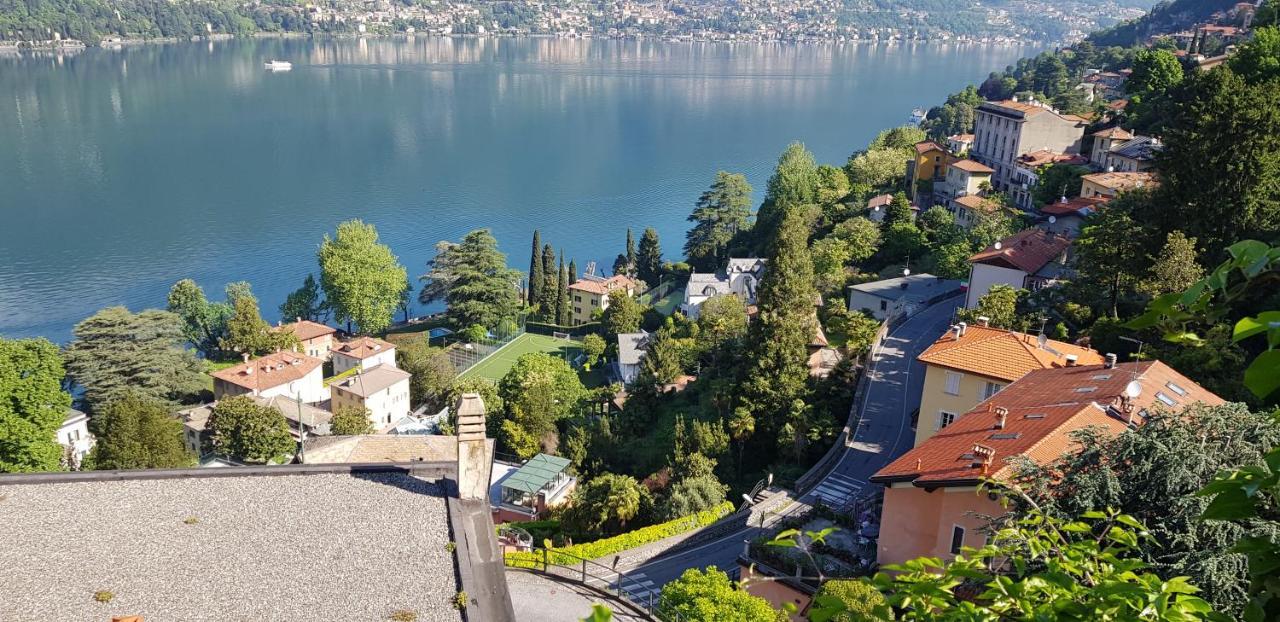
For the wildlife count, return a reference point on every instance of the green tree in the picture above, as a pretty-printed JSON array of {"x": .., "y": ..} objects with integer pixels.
[
  {"x": 1220, "y": 168},
  {"x": 361, "y": 278},
  {"x": 1175, "y": 269},
  {"x": 901, "y": 137},
  {"x": 623, "y": 315},
  {"x": 1154, "y": 71},
  {"x": 1258, "y": 60},
  {"x": 432, "y": 374},
  {"x": 481, "y": 288},
  {"x": 1045, "y": 569},
  {"x": 563, "y": 310},
  {"x": 649, "y": 259},
  {"x": 32, "y": 405},
  {"x": 903, "y": 240},
  {"x": 1056, "y": 181},
  {"x": 550, "y": 284},
  {"x": 304, "y": 303},
  {"x": 1152, "y": 473},
  {"x": 115, "y": 350},
  {"x": 794, "y": 183},
  {"x": 709, "y": 596},
  {"x": 632, "y": 259},
  {"x": 994, "y": 225},
  {"x": 1109, "y": 255},
  {"x": 136, "y": 432},
  {"x": 878, "y": 168},
  {"x": 1050, "y": 76},
  {"x": 536, "y": 275},
  {"x": 952, "y": 261},
  {"x": 662, "y": 361},
  {"x": 721, "y": 213},
  {"x": 604, "y": 505},
  {"x": 593, "y": 346},
  {"x": 833, "y": 188},
  {"x": 777, "y": 373},
  {"x": 538, "y": 391},
  {"x": 999, "y": 304},
  {"x": 693, "y": 494},
  {"x": 899, "y": 210},
  {"x": 939, "y": 227},
  {"x": 247, "y": 332},
  {"x": 203, "y": 323},
  {"x": 240, "y": 428},
  {"x": 851, "y": 241},
  {"x": 351, "y": 421},
  {"x": 856, "y": 601}
]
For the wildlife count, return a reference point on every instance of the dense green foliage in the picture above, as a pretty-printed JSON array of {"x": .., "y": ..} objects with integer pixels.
[
  {"x": 709, "y": 596},
  {"x": 304, "y": 303},
  {"x": 32, "y": 405},
  {"x": 854, "y": 601},
  {"x": 248, "y": 333},
  {"x": 238, "y": 427},
  {"x": 351, "y": 420},
  {"x": 622, "y": 542},
  {"x": 538, "y": 391},
  {"x": 115, "y": 351},
  {"x": 721, "y": 213},
  {"x": 362, "y": 280},
  {"x": 134, "y": 432},
  {"x": 472, "y": 277},
  {"x": 432, "y": 374},
  {"x": 204, "y": 323}
]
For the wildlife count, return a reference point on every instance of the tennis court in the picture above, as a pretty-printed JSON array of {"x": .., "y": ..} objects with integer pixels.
[{"x": 496, "y": 365}]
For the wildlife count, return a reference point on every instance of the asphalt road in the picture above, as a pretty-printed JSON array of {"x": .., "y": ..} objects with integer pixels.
[{"x": 885, "y": 433}]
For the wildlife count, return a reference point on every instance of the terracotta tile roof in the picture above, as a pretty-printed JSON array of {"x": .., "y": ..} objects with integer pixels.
[
  {"x": 1078, "y": 205},
  {"x": 925, "y": 146},
  {"x": 269, "y": 371},
  {"x": 1028, "y": 250},
  {"x": 977, "y": 203},
  {"x": 1040, "y": 157},
  {"x": 1041, "y": 410},
  {"x": 1027, "y": 110},
  {"x": 306, "y": 330},
  {"x": 1002, "y": 354},
  {"x": 1119, "y": 104},
  {"x": 961, "y": 138},
  {"x": 1120, "y": 182},
  {"x": 362, "y": 348},
  {"x": 1116, "y": 132},
  {"x": 971, "y": 166},
  {"x": 604, "y": 286},
  {"x": 880, "y": 200}
]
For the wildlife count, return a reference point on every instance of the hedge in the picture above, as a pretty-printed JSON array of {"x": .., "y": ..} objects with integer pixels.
[
  {"x": 572, "y": 555},
  {"x": 542, "y": 328}
]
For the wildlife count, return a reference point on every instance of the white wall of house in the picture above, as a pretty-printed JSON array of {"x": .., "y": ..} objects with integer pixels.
[
  {"x": 343, "y": 362},
  {"x": 983, "y": 276},
  {"x": 628, "y": 372},
  {"x": 310, "y": 388},
  {"x": 879, "y": 307},
  {"x": 74, "y": 434},
  {"x": 385, "y": 407}
]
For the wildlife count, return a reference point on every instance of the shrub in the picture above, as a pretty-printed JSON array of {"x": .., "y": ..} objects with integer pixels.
[
  {"x": 608, "y": 546},
  {"x": 857, "y": 600},
  {"x": 404, "y": 615},
  {"x": 190, "y": 520},
  {"x": 103, "y": 596},
  {"x": 460, "y": 600}
]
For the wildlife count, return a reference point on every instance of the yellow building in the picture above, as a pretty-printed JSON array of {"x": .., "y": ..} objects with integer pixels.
[
  {"x": 1109, "y": 184},
  {"x": 929, "y": 163},
  {"x": 969, "y": 364},
  {"x": 592, "y": 292}
]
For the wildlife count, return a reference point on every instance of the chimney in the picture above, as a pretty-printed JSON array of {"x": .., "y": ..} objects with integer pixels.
[
  {"x": 1071, "y": 360},
  {"x": 1002, "y": 417},
  {"x": 1111, "y": 361},
  {"x": 474, "y": 461},
  {"x": 984, "y": 320},
  {"x": 963, "y": 327},
  {"x": 955, "y": 332},
  {"x": 245, "y": 355},
  {"x": 297, "y": 318}
]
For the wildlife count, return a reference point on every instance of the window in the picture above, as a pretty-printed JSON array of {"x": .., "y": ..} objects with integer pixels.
[
  {"x": 953, "y": 383},
  {"x": 577, "y": 298},
  {"x": 957, "y": 539},
  {"x": 884, "y": 305},
  {"x": 990, "y": 389},
  {"x": 577, "y": 310},
  {"x": 945, "y": 419}
]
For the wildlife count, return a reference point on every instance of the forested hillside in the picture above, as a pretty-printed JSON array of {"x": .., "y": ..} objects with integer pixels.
[{"x": 1164, "y": 18}]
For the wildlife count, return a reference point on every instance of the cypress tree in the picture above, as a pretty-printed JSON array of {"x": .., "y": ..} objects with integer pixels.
[
  {"x": 549, "y": 286},
  {"x": 648, "y": 265},
  {"x": 573, "y": 271},
  {"x": 534, "y": 293},
  {"x": 631, "y": 253},
  {"x": 562, "y": 296}
]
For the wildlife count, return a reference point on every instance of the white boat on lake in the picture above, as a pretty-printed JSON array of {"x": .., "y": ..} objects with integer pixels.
[{"x": 278, "y": 65}]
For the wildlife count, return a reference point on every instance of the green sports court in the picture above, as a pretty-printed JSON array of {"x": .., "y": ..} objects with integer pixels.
[{"x": 496, "y": 365}]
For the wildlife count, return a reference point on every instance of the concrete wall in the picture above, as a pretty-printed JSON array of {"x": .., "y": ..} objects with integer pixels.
[
  {"x": 385, "y": 407},
  {"x": 859, "y": 300},
  {"x": 934, "y": 399},
  {"x": 983, "y": 276},
  {"x": 916, "y": 522}
]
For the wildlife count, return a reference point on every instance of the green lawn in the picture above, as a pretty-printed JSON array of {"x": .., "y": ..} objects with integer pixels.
[{"x": 496, "y": 365}]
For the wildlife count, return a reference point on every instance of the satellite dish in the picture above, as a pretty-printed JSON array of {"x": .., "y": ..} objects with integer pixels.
[
  {"x": 1053, "y": 219},
  {"x": 1133, "y": 389},
  {"x": 906, "y": 272},
  {"x": 998, "y": 245}
]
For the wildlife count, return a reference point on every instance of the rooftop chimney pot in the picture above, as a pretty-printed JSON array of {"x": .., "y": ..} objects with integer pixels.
[
  {"x": 984, "y": 320},
  {"x": 1071, "y": 360}
]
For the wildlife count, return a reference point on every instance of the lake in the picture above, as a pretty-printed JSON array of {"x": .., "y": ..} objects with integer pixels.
[{"x": 122, "y": 171}]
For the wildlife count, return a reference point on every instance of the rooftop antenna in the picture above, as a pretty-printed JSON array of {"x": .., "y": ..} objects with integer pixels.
[
  {"x": 906, "y": 268},
  {"x": 1133, "y": 373},
  {"x": 591, "y": 268}
]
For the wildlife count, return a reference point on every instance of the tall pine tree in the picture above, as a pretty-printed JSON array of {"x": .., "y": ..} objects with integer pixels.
[
  {"x": 631, "y": 253},
  {"x": 550, "y": 287},
  {"x": 562, "y": 297},
  {"x": 649, "y": 261},
  {"x": 573, "y": 272},
  {"x": 534, "y": 294},
  {"x": 775, "y": 388}
]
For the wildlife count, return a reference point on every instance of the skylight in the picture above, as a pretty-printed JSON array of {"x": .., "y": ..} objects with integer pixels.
[
  {"x": 1176, "y": 389},
  {"x": 1102, "y": 377},
  {"x": 1005, "y": 436},
  {"x": 1168, "y": 401},
  {"x": 1086, "y": 389},
  {"x": 1036, "y": 416}
]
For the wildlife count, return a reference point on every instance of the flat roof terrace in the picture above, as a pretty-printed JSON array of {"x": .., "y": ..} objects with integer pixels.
[{"x": 325, "y": 546}]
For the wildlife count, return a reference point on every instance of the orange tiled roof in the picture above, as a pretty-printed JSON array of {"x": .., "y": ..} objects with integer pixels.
[
  {"x": 306, "y": 330},
  {"x": 1116, "y": 132},
  {"x": 1002, "y": 354},
  {"x": 977, "y": 203},
  {"x": 1072, "y": 206},
  {"x": 269, "y": 371},
  {"x": 971, "y": 166},
  {"x": 925, "y": 146},
  {"x": 1028, "y": 250},
  {"x": 1041, "y": 157},
  {"x": 1040, "y": 412},
  {"x": 363, "y": 347},
  {"x": 604, "y": 286}
]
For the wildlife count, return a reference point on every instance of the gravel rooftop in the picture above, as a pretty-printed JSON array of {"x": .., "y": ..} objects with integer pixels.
[{"x": 309, "y": 547}]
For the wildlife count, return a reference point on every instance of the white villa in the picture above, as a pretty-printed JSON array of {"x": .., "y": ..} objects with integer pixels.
[{"x": 740, "y": 276}]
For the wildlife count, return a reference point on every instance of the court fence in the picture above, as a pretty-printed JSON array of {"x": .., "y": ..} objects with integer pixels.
[{"x": 464, "y": 353}]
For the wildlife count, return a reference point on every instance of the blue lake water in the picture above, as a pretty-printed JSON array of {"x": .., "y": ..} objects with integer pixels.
[{"x": 122, "y": 171}]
